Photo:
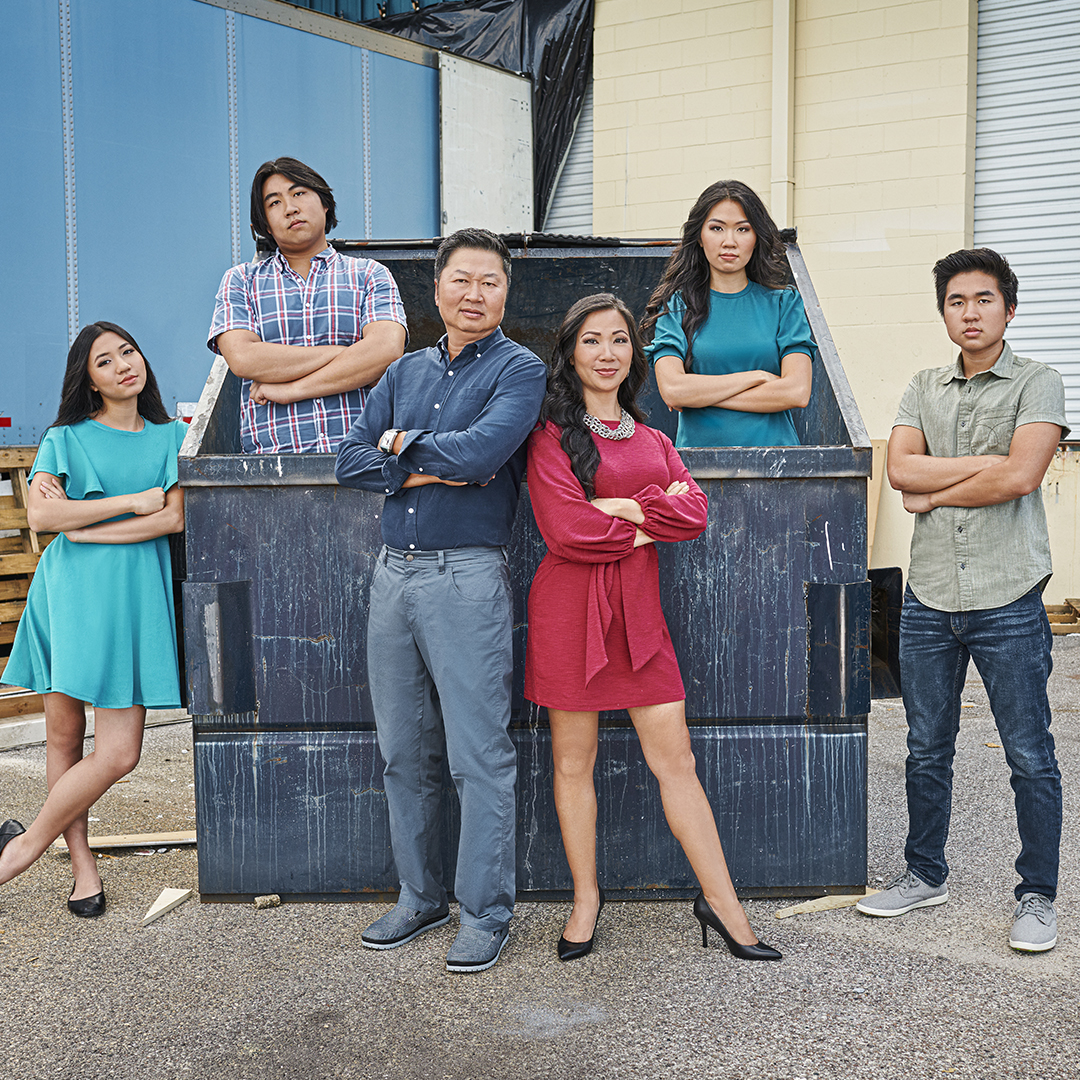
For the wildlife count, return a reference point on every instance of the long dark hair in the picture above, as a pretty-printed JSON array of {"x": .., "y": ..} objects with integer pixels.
[
  {"x": 564, "y": 403},
  {"x": 78, "y": 400},
  {"x": 687, "y": 271}
]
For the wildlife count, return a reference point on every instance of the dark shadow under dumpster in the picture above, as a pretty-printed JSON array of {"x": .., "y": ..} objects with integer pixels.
[{"x": 769, "y": 611}]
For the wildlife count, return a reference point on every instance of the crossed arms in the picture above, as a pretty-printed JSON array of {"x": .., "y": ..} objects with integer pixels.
[
  {"x": 289, "y": 373},
  {"x": 84, "y": 521},
  {"x": 978, "y": 480}
]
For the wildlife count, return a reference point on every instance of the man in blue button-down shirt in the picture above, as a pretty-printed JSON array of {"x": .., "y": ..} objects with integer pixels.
[{"x": 443, "y": 438}]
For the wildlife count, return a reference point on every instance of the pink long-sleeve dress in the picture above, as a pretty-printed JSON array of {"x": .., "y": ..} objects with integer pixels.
[{"x": 597, "y": 637}]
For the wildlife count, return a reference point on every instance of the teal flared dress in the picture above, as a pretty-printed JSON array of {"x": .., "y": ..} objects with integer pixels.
[{"x": 99, "y": 622}]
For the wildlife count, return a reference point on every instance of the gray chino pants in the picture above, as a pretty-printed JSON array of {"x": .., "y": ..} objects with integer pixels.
[{"x": 440, "y": 665}]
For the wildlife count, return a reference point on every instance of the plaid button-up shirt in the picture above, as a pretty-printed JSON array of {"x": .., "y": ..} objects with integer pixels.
[{"x": 339, "y": 298}]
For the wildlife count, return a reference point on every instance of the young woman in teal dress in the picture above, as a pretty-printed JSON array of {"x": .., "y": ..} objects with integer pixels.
[
  {"x": 730, "y": 344},
  {"x": 98, "y": 625}
]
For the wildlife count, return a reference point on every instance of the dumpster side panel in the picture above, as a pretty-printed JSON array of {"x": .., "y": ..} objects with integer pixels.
[
  {"x": 303, "y": 814},
  {"x": 309, "y": 553}
]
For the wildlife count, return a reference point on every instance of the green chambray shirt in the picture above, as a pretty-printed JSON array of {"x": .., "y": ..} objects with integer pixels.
[{"x": 972, "y": 558}]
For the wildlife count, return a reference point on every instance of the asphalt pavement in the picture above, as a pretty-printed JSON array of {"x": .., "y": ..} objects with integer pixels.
[{"x": 214, "y": 991}]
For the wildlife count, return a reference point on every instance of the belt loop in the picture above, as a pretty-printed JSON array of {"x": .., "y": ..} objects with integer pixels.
[
  {"x": 442, "y": 560},
  {"x": 384, "y": 555}
]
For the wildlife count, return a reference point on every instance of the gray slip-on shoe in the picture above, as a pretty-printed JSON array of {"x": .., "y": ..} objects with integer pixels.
[
  {"x": 904, "y": 893},
  {"x": 401, "y": 925},
  {"x": 1035, "y": 928},
  {"x": 476, "y": 950}
]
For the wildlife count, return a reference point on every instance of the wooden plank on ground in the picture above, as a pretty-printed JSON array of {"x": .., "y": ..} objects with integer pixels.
[
  {"x": 1065, "y": 628},
  {"x": 169, "y": 899},
  {"x": 23, "y": 703},
  {"x": 137, "y": 840}
]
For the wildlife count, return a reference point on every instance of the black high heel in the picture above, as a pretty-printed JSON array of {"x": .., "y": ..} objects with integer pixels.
[
  {"x": 90, "y": 907},
  {"x": 574, "y": 950},
  {"x": 8, "y": 831},
  {"x": 707, "y": 917}
]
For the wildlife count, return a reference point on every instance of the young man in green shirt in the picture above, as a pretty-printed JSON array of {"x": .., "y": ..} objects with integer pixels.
[{"x": 969, "y": 449}]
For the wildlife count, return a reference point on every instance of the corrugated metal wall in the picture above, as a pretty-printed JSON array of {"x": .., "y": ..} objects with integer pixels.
[
  {"x": 571, "y": 208},
  {"x": 133, "y": 130},
  {"x": 1027, "y": 160}
]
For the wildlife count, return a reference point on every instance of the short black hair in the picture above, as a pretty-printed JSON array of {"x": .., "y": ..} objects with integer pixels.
[
  {"x": 298, "y": 173},
  {"x": 481, "y": 239},
  {"x": 984, "y": 259}
]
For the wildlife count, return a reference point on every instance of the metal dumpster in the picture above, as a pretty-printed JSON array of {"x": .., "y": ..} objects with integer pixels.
[{"x": 769, "y": 611}]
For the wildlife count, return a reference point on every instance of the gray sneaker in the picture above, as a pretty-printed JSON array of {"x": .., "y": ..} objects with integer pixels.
[
  {"x": 904, "y": 893},
  {"x": 475, "y": 950},
  {"x": 1035, "y": 928},
  {"x": 401, "y": 925}
]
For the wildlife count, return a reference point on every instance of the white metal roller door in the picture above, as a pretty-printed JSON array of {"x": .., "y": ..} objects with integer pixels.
[
  {"x": 1027, "y": 172},
  {"x": 570, "y": 210}
]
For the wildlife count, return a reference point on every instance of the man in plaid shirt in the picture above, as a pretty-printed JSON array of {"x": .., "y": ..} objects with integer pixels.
[{"x": 307, "y": 330}]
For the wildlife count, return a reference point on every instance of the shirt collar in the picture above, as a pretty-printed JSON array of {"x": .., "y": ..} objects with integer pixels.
[
  {"x": 1003, "y": 366},
  {"x": 325, "y": 255},
  {"x": 478, "y": 347}
]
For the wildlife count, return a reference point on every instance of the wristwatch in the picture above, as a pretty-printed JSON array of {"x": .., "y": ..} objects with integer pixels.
[{"x": 386, "y": 443}]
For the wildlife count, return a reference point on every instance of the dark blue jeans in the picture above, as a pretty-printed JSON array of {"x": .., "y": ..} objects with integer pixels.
[{"x": 1011, "y": 649}]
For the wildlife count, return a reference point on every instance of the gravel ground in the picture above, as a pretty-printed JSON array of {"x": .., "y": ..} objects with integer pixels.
[{"x": 218, "y": 990}]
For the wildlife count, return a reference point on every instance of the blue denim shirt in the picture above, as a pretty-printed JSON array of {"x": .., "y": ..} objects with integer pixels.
[{"x": 465, "y": 419}]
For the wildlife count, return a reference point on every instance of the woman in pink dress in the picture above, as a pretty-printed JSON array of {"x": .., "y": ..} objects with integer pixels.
[{"x": 604, "y": 488}]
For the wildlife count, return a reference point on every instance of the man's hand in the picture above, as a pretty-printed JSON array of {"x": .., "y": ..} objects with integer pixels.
[{"x": 917, "y": 502}]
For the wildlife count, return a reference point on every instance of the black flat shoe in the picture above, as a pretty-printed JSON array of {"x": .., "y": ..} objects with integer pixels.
[
  {"x": 707, "y": 917},
  {"x": 88, "y": 908},
  {"x": 574, "y": 950},
  {"x": 8, "y": 831}
]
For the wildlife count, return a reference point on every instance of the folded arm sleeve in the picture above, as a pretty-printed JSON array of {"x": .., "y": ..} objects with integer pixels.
[
  {"x": 360, "y": 462},
  {"x": 794, "y": 334},
  {"x": 669, "y": 338},
  {"x": 474, "y": 454},
  {"x": 571, "y": 526},
  {"x": 232, "y": 307},
  {"x": 669, "y": 518}
]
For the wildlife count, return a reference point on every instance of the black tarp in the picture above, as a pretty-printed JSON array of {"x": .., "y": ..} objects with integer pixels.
[{"x": 550, "y": 41}]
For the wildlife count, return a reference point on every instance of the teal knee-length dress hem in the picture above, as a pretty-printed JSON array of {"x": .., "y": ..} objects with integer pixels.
[{"x": 99, "y": 624}]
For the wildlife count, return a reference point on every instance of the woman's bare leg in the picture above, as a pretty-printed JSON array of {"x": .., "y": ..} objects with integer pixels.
[
  {"x": 665, "y": 742},
  {"x": 573, "y": 747},
  {"x": 65, "y": 730},
  {"x": 117, "y": 745}
]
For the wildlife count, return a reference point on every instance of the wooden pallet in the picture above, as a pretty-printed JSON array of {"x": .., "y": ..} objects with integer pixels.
[
  {"x": 19, "y": 554},
  {"x": 1064, "y": 618}
]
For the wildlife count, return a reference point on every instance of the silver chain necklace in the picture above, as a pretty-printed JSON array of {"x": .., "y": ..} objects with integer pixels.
[{"x": 623, "y": 431}]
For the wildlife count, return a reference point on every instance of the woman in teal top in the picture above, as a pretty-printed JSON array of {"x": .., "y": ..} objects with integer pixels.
[
  {"x": 731, "y": 345},
  {"x": 99, "y": 624}
]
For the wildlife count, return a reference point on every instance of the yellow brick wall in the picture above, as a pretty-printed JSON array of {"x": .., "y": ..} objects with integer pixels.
[{"x": 681, "y": 98}]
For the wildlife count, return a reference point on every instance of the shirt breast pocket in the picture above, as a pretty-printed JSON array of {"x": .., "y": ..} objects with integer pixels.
[
  {"x": 993, "y": 431},
  {"x": 465, "y": 403}
]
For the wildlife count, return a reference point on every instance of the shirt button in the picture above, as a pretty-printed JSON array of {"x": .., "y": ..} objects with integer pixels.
[
  {"x": 963, "y": 423},
  {"x": 411, "y": 511},
  {"x": 436, "y": 404},
  {"x": 387, "y": 491},
  {"x": 962, "y": 567},
  {"x": 419, "y": 468},
  {"x": 449, "y": 373},
  {"x": 411, "y": 546},
  {"x": 959, "y": 528}
]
